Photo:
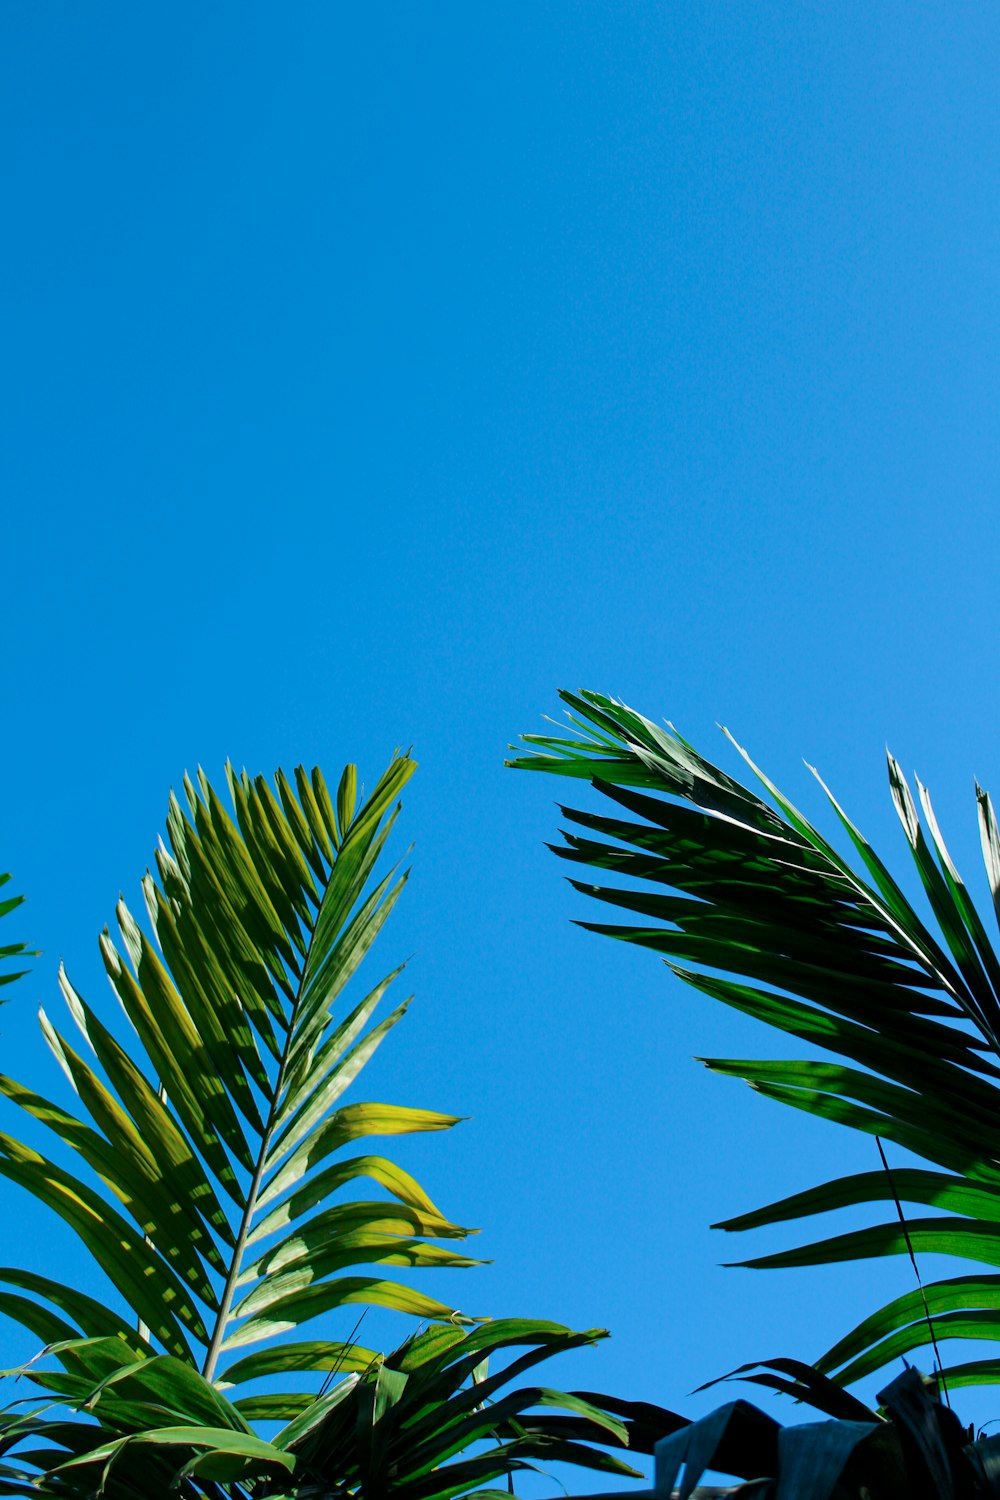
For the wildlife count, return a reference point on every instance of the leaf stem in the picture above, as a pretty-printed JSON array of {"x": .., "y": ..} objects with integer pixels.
[
  {"x": 236, "y": 1263},
  {"x": 913, "y": 1262}
]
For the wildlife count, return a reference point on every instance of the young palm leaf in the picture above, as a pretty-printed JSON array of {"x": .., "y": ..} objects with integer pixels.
[
  {"x": 434, "y": 1420},
  {"x": 427, "y": 1422},
  {"x": 216, "y": 1137},
  {"x": 715, "y": 877}
]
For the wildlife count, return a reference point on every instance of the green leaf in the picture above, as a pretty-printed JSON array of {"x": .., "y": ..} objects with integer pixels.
[
  {"x": 129, "y": 1170},
  {"x": 347, "y": 799},
  {"x": 322, "y": 1185},
  {"x": 753, "y": 906},
  {"x": 302, "y": 1303},
  {"x": 969, "y": 1239},
  {"x": 350, "y": 1123},
  {"x": 307, "y": 1354},
  {"x": 174, "y": 1386},
  {"x": 159, "y": 1299},
  {"x": 964, "y": 1325},
  {"x": 255, "y": 1455},
  {"x": 218, "y": 1123},
  {"x": 912, "y": 1186},
  {"x": 935, "y": 1299}
]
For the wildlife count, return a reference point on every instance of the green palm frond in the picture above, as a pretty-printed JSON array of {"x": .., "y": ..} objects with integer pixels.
[
  {"x": 219, "y": 1192},
  {"x": 151, "y": 1427},
  {"x": 411, "y": 1420},
  {"x": 430, "y": 1421},
  {"x": 751, "y": 904}
]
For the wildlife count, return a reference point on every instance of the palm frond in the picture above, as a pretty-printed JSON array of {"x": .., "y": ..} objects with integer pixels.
[
  {"x": 416, "y": 1422},
  {"x": 912, "y": 1446},
  {"x": 748, "y": 902},
  {"x": 213, "y": 1141},
  {"x": 434, "y": 1419},
  {"x": 219, "y": 1192}
]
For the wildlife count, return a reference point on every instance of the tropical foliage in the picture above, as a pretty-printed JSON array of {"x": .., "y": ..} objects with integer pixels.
[
  {"x": 913, "y": 1446},
  {"x": 402, "y": 1427},
  {"x": 216, "y": 1188},
  {"x": 751, "y": 904}
]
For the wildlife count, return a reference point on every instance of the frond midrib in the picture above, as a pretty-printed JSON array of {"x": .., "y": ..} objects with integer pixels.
[{"x": 243, "y": 1233}]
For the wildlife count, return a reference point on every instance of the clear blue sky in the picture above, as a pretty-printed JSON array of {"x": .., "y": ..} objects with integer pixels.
[{"x": 369, "y": 372}]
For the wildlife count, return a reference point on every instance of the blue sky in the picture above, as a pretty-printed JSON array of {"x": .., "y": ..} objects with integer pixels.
[{"x": 370, "y": 372}]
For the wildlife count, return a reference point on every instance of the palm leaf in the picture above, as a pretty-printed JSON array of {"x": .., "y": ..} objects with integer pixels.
[
  {"x": 211, "y": 1142},
  {"x": 912, "y": 1446},
  {"x": 220, "y": 1191},
  {"x": 434, "y": 1419},
  {"x": 747, "y": 901},
  {"x": 409, "y": 1423}
]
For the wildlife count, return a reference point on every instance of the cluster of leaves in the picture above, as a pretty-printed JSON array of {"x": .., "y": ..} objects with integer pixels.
[
  {"x": 139, "y": 1429},
  {"x": 218, "y": 1183},
  {"x": 780, "y": 926},
  {"x": 913, "y": 1445},
  {"x": 215, "y": 1155}
]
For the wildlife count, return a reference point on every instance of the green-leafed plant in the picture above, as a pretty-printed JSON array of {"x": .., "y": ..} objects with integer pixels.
[
  {"x": 752, "y": 905},
  {"x": 429, "y": 1422},
  {"x": 219, "y": 1194},
  {"x": 217, "y": 1133},
  {"x": 913, "y": 1446}
]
